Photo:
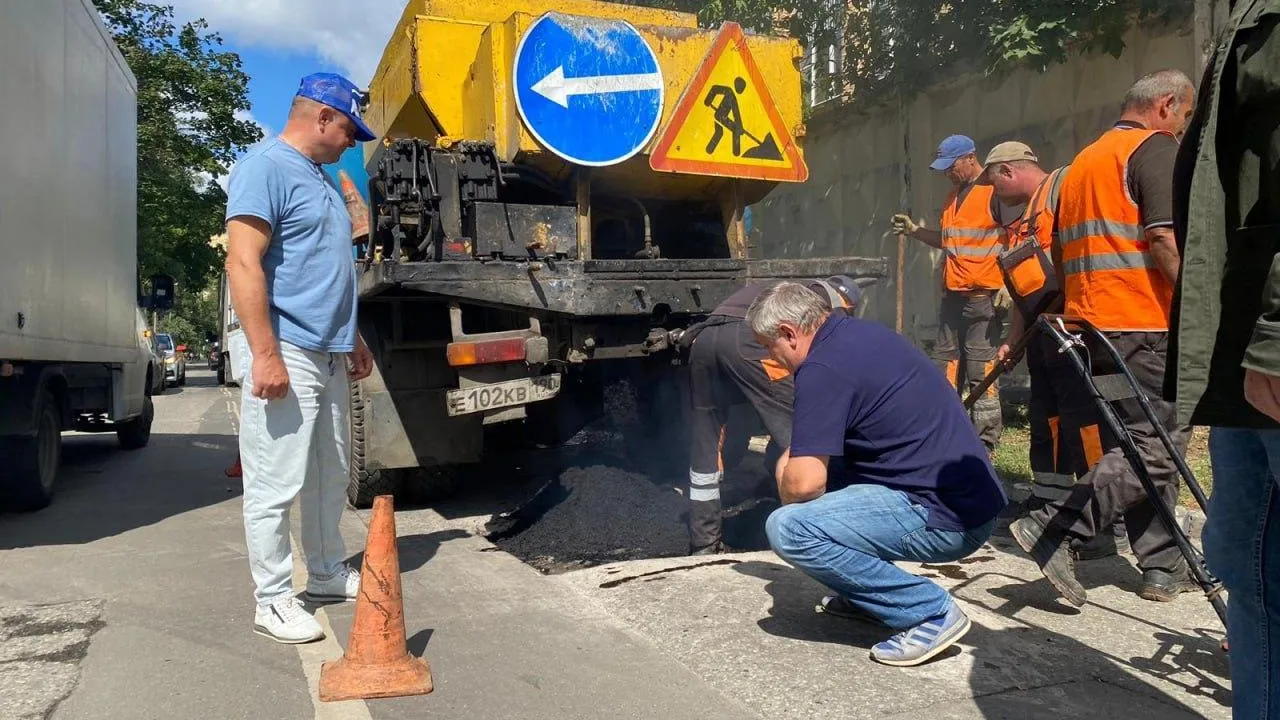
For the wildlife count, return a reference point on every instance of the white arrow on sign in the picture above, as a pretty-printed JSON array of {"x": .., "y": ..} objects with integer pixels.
[{"x": 558, "y": 89}]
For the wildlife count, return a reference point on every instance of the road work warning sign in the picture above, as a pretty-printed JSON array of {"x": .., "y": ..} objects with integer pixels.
[{"x": 726, "y": 123}]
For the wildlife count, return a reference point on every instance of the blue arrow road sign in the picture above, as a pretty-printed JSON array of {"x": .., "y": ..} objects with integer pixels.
[{"x": 589, "y": 90}]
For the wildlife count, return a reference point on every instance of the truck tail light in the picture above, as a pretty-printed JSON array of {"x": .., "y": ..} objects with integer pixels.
[{"x": 483, "y": 352}]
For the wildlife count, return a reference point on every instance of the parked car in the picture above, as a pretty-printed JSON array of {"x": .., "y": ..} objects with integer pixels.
[
  {"x": 175, "y": 362},
  {"x": 155, "y": 363}
]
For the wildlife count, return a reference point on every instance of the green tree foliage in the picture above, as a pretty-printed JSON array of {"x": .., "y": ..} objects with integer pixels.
[
  {"x": 895, "y": 48},
  {"x": 190, "y": 96},
  {"x": 193, "y": 317}
]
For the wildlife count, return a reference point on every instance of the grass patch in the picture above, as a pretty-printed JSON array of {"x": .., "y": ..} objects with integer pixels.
[{"x": 1013, "y": 455}]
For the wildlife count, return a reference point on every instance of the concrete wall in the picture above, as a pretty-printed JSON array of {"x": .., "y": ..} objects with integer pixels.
[{"x": 865, "y": 167}]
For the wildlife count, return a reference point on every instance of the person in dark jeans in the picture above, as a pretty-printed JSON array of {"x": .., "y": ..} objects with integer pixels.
[
  {"x": 728, "y": 368},
  {"x": 920, "y": 485},
  {"x": 1224, "y": 355}
]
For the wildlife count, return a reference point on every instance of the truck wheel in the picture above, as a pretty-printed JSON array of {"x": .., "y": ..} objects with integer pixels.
[
  {"x": 31, "y": 464},
  {"x": 365, "y": 484},
  {"x": 136, "y": 433}
]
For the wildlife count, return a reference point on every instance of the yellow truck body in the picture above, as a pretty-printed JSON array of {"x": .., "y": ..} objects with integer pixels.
[{"x": 445, "y": 76}]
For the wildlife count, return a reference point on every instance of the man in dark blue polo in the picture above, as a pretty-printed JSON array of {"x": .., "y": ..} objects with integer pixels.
[{"x": 921, "y": 489}]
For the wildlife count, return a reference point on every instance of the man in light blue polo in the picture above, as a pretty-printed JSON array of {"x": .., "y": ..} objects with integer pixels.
[{"x": 293, "y": 286}]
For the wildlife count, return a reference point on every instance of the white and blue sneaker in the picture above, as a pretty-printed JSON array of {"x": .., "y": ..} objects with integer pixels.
[{"x": 920, "y": 643}]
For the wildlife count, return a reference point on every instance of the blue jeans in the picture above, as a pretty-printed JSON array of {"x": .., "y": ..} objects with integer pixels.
[
  {"x": 848, "y": 540},
  {"x": 1242, "y": 546},
  {"x": 295, "y": 447}
]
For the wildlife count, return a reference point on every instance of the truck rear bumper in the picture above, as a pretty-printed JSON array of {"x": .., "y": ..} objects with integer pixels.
[{"x": 603, "y": 287}]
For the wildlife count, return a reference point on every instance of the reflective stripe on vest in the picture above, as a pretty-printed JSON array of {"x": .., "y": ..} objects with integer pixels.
[
  {"x": 971, "y": 240},
  {"x": 1026, "y": 265},
  {"x": 1111, "y": 279}
]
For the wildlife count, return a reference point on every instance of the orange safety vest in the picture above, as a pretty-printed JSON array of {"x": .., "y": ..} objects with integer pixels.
[
  {"x": 1026, "y": 263},
  {"x": 1111, "y": 279},
  {"x": 971, "y": 240}
]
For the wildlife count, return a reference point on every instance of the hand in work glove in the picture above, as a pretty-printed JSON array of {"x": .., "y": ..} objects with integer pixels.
[
  {"x": 1002, "y": 299},
  {"x": 902, "y": 223}
]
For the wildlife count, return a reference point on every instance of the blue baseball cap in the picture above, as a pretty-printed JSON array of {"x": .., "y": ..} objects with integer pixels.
[
  {"x": 952, "y": 149},
  {"x": 340, "y": 94}
]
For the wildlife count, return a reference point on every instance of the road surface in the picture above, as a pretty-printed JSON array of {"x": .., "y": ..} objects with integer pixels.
[{"x": 130, "y": 598}]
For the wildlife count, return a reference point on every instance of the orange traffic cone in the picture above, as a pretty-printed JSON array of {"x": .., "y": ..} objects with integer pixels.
[
  {"x": 356, "y": 208},
  {"x": 377, "y": 664}
]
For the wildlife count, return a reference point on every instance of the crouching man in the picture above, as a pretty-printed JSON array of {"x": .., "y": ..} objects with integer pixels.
[{"x": 921, "y": 486}]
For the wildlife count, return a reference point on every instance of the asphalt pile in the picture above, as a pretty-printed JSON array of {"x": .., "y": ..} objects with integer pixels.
[
  {"x": 593, "y": 515},
  {"x": 597, "y": 507}
]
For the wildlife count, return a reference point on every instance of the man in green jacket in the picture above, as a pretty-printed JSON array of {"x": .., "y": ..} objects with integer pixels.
[{"x": 1224, "y": 368}]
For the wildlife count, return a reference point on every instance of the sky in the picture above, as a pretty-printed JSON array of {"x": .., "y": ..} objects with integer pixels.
[{"x": 280, "y": 41}]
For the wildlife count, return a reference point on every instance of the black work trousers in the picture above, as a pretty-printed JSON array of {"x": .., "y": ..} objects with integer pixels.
[
  {"x": 727, "y": 367},
  {"x": 1065, "y": 438},
  {"x": 1111, "y": 489},
  {"x": 966, "y": 353}
]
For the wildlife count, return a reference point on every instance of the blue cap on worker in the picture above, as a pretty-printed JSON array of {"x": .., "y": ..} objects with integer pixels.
[
  {"x": 340, "y": 94},
  {"x": 951, "y": 149}
]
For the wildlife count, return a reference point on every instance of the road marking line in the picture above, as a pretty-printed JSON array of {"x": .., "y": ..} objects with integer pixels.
[{"x": 312, "y": 655}]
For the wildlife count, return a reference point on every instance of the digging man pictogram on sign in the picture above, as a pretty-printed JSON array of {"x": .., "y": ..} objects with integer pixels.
[
  {"x": 723, "y": 100},
  {"x": 726, "y": 123}
]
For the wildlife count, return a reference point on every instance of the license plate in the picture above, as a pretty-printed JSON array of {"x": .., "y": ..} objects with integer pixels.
[{"x": 504, "y": 394}]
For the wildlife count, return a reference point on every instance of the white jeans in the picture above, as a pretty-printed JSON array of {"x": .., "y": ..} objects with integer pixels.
[{"x": 295, "y": 444}]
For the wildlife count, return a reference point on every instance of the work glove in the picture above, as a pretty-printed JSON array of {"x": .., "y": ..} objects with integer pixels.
[
  {"x": 902, "y": 223},
  {"x": 1003, "y": 300}
]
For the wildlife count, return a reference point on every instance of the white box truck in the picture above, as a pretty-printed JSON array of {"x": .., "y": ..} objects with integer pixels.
[
  {"x": 232, "y": 348},
  {"x": 73, "y": 351}
]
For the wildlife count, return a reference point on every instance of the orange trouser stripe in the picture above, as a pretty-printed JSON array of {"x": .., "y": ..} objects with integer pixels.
[
  {"x": 1092, "y": 444},
  {"x": 1053, "y": 433}
]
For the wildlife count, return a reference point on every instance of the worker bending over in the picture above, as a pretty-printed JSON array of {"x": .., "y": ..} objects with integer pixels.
[
  {"x": 1064, "y": 430},
  {"x": 728, "y": 367},
  {"x": 970, "y": 241},
  {"x": 1119, "y": 261},
  {"x": 921, "y": 486}
]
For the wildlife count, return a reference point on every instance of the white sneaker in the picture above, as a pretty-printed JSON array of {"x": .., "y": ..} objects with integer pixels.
[
  {"x": 286, "y": 621},
  {"x": 342, "y": 586}
]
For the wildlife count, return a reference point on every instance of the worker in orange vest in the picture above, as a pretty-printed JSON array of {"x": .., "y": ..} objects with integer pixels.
[
  {"x": 1064, "y": 429},
  {"x": 1118, "y": 260},
  {"x": 970, "y": 240}
]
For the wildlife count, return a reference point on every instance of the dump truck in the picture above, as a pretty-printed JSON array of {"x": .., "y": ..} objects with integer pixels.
[
  {"x": 557, "y": 190},
  {"x": 75, "y": 350}
]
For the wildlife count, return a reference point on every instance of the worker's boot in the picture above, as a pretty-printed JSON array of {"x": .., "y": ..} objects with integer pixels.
[
  {"x": 1112, "y": 541},
  {"x": 1053, "y": 557},
  {"x": 716, "y": 548},
  {"x": 1161, "y": 586},
  {"x": 705, "y": 528}
]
